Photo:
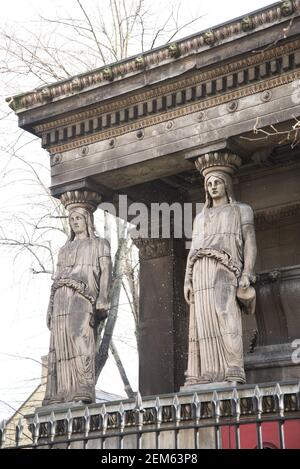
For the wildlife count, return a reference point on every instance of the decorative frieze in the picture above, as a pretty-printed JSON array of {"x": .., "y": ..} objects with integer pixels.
[
  {"x": 160, "y": 117},
  {"x": 285, "y": 54},
  {"x": 192, "y": 45}
]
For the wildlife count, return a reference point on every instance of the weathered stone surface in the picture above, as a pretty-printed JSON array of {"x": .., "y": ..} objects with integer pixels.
[
  {"x": 221, "y": 261},
  {"x": 79, "y": 300}
]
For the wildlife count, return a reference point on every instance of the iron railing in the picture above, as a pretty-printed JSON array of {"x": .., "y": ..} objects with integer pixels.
[{"x": 132, "y": 423}]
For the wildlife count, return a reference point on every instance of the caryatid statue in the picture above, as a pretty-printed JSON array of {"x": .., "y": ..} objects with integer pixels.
[
  {"x": 219, "y": 274},
  {"x": 79, "y": 301}
]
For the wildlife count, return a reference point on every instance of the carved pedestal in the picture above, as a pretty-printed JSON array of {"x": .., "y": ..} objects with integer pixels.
[{"x": 278, "y": 326}]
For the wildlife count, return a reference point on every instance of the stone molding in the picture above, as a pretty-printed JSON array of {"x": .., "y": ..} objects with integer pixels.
[
  {"x": 165, "y": 54},
  {"x": 166, "y": 116},
  {"x": 227, "y": 69}
]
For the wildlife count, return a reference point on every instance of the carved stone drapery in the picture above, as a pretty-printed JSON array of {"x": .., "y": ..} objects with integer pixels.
[{"x": 218, "y": 275}]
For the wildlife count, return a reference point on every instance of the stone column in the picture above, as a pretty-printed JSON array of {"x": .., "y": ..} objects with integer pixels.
[{"x": 163, "y": 334}]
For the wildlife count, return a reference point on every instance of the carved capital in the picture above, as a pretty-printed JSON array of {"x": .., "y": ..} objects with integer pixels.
[
  {"x": 218, "y": 161},
  {"x": 85, "y": 199},
  {"x": 152, "y": 248}
]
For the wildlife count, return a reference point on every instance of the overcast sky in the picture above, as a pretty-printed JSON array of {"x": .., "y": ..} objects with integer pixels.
[{"x": 24, "y": 298}]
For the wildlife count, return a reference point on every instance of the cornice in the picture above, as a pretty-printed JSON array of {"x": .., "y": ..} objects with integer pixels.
[
  {"x": 179, "y": 112},
  {"x": 196, "y": 79},
  {"x": 166, "y": 54}
]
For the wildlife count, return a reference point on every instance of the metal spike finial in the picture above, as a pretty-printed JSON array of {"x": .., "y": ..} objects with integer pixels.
[
  {"x": 121, "y": 408},
  {"x": 139, "y": 410},
  {"x": 36, "y": 429},
  {"x": 122, "y": 416},
  {"x": 19, "y": 431},
  {"x": 158, "y": 410},
  {"x": 177, "y": 408},
  {"x": 216, "y": 404},
  {"x": 196, "y": 406},
  {"x": 235, "y": 404},
  {"x": 2, "y": 433},
  {"x": 87, "y": 421},
  {"x": 52, "y": 424},
  {"x": 104, "y": 418},
  {"x": 279, "y": 399},
  {"x": 257, "y": 401},
  {"x": 138, "y": 403},
  {"x": 69, "y": 419}
]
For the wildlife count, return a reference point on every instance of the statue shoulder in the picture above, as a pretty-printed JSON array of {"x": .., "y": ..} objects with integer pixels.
[
  {"x": 198, "y": 217},
  {"x": 247, "y": 214}
]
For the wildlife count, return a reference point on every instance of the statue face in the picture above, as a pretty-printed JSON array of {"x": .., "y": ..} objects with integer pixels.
[
  {"x": 77, "y": 223},
  {"x": 216, "y": 188}
]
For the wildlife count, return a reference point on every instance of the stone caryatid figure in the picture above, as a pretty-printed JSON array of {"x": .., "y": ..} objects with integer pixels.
[
  {"x": 220, "y": 270},
  {"x": 79, "y": 300}
]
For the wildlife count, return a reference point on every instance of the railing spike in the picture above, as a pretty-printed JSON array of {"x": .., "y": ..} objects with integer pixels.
[
  {"x": 195, "y": 399},
  {"x": 122, "y": 416},
  {"x": 158, "y": 410},
  {"x": 196, "y": 406},
  {"x": 235, "y": 404},
  {"x": 104, "y": 418},
  {"x": 257, "y": 401},
  {"x": 52, "y": 423},
  {"x": 139, "y": 402},
  {"x": 279, "y": 399},
  {"x": 87, "y": 421},
  {"x": 36, "y": 428},
  {"x": 19, "y": 431},
  {"x": 2, "y": 433},
  {"x": 257, "y": 392},
  {"x": 177, "y": 409},
  {"x": 216, "y": 404},
  {"x": 69, "y": 418},
  {"x": 157, "y": 403},
  {"x": 121, "y": 408}
]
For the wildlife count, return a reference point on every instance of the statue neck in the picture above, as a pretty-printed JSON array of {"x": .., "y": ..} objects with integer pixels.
[
  {"x": 219, "y": 202},
  {"x": 80, "y": 236}
]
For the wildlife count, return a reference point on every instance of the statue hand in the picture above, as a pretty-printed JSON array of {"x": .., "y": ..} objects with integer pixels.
[
  {"x": 102, "y": 307},
  {"x": 244, "y": 281},
  {"x": 188, "y": 292}
]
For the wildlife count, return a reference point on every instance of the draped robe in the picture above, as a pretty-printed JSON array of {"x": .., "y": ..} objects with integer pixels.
[
  {"x": 215, "y": 264},
  {"x": 71, "y": 359}
]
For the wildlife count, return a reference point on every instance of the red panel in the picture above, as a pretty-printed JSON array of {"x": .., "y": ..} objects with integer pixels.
[{"x": 270, "y": 435}]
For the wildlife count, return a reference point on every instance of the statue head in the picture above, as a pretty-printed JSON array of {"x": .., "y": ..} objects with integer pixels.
[
  {"x": 217, "y": 184},
  {"x": 81, "y": 219}
]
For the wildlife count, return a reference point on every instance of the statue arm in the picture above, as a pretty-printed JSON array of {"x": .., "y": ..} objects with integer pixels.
[
  {"x": 250, "y": 249},
  {"x": 102, "y": 302},
  {"x": 51, "y": 299},
  {"x": 188, "y": 282}
]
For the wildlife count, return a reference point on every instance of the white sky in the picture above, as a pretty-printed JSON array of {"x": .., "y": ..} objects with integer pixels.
[{"x": 23, "y": 297}]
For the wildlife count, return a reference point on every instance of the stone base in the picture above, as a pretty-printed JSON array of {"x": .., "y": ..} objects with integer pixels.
[
  {"x": 47, "y": 409},
  {"x": 271, "y": 363},
  {"x": 218, "y": 386}
]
